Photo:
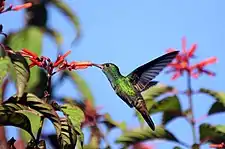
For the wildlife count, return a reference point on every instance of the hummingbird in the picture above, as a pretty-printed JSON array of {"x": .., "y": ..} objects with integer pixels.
[{"x": 129, "y": 87}]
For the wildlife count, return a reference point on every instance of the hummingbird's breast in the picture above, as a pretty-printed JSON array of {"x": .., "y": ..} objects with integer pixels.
[{"x": 126, "y": 87}]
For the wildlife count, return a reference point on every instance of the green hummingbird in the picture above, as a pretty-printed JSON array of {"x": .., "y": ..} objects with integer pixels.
[{"x": 129, "y": 87}]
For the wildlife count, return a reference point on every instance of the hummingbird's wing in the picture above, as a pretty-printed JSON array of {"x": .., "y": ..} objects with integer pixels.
[{"x": 142, "y": 76}]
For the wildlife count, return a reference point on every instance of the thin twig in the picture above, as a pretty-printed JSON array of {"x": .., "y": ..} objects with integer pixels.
[{"x": 190, "y": 100}]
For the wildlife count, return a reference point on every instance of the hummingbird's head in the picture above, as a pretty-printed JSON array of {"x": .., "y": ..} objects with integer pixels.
[{"x": 108, "y": 68}]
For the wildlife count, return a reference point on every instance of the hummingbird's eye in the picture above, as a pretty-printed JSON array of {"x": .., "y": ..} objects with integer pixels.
[{"x": 107, "y": 65}]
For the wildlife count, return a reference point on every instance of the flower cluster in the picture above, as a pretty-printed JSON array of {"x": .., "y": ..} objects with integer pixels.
[
  {"x": 182, "y": 64},
  {"x": 48, "y": 65},
  {"x": 13, "y": 8}
]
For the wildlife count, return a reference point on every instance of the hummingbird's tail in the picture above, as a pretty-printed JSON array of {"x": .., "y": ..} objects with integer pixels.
[{"x": 141, "y": 107}]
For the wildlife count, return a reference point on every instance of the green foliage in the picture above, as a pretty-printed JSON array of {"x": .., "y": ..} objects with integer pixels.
[
  {"x": 138, "y": 135},
  {"x": 25, "y": 39},
  {"x": 76, "y": 116},
  {"x": 68, "y": 136},
  {"x": 4, "y": 68},
  {"x": 213, "y": 134},
  {"x": 35, "y": 120},
  {"x": 15, "y": 118},
  {"x": 22, "y": 72}
]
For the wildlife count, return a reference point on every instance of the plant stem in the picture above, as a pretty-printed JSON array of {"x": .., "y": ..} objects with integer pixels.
[
  {"x": 190, "y": 100},
  {"x": 46, "y": 99}
]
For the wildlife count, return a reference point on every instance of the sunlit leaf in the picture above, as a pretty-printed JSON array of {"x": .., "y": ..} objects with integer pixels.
[
  {"x": 76, "y": 116},
  {"x": 81, "y": 85},
  {"x": 4, "y": 68},
  {"x": 68, "y": 135},
  {"x": 35, "y": 120},
  {"x": 219, "y": 105},
  {"x": 131, "y": 137},
  {"x": 74, "y": 113},
  {"x": 80, "y": 141},
  {"x": 15, "y": 118},
  {"x": 213, "y": 134},
  {"x": 30, "y": 38},
  {"x": 68, "y": 12},
  {"x": 22, "y": 72}
]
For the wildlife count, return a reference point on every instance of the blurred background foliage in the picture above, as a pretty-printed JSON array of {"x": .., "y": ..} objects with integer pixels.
[{"x": 163, "y": 99}]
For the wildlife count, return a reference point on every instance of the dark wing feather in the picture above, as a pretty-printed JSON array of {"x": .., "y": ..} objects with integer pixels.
[{"x": 142, "y": 76}]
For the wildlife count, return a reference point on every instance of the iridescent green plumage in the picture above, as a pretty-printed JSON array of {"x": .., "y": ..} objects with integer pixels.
[{"x": 129, "y": 87}]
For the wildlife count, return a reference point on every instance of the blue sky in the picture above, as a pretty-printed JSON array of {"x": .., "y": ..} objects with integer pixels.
[{"x": 131, "y": 33}]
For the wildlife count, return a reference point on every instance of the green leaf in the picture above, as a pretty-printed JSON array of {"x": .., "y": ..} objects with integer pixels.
[
  {"x": 22, "y": 72},
  {"x": 4, "y": 68},
  {"x": 81, "y": 85},
  {"x": 68, "y": 135},
  {"x": 68, "y": 12},
  {"x": 213, "y": 134},
  {"x": 219, "y": 105},
  {"x": 35, "y": 120},
  {"x": 76, "y": 116},
  {"x": 131, "y": 137},
  {"x": 30, "y": 38},
  {"x": 15, "y": 118},
  {"x": 156, "y": 91},
  {"x": 40, "y": 106},
  {"x": 80, "y": 141}
]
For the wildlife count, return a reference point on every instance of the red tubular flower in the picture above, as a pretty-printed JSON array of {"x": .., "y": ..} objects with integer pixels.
[
  {"x": 182, "y": 63},
  {"x": 80, "y": 65},
  {"x": 200, "y": 67},
  {"x": 60, "y": 59},
  {"x": 24, "y": 6},
  {"x": 142, "y": 146},
  {"x": 61, "y": 63},
  {"x": 27, "y": 53},
  {"x": 221, "y": 145}
]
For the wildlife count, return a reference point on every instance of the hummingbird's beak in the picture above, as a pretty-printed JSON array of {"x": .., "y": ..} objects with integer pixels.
[{"x": 98, "y": 65}]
